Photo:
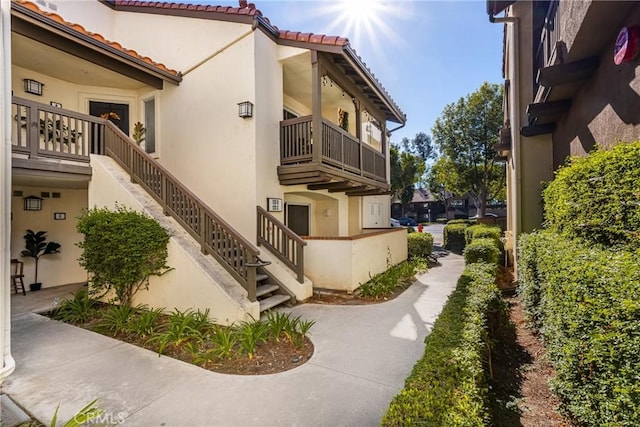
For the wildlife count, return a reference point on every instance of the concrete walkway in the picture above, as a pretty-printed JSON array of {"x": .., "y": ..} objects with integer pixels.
[{"x": 362, "y": 356}]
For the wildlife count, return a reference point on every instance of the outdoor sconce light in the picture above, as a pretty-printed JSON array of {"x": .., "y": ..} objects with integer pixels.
[
  {"x": 32, "y": 86},
  {"x": 32, "y": 203},
  {"x": 245, "y": 109}
]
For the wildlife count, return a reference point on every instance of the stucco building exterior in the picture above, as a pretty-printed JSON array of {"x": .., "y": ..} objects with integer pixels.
[
  {"x": 564, "y": 93},
  {"x": 266, "y": 151}
]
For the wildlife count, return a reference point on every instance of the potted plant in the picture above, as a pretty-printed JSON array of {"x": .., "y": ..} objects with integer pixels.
[{"x": 36, "y": 245}]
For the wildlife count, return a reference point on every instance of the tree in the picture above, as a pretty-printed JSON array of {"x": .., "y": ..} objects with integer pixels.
[
  {"x": 465, "y": 134},
  {"x": 122, "y": 249},
  {"x": 406, "y": 170}
]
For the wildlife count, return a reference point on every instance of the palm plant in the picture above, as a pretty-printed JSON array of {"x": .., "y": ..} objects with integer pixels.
[{"x": 36, "y": 245}]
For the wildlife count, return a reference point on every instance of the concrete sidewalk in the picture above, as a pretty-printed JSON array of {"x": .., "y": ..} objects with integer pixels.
[{"x": 362, "y": 356}]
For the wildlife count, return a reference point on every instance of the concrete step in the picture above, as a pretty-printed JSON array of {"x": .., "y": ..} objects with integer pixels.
[
  {"x": 266, "y": 289},
  {"x": 273, "y": 301},
  {"x": 260, "y": 277}
]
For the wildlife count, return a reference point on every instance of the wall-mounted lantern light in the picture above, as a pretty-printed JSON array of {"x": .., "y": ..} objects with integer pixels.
[
  {"x": 245, "y": 109},
  {"x": 32, "y": 203},
  {"x": 32, "y": 86}
]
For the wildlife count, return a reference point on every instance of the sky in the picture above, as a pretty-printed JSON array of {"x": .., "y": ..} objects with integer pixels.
[{"x": 427, "y": 54}]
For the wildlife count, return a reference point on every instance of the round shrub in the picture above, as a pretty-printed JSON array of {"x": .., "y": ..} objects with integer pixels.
[
  {"x": 420, "y": 244},
  {"x": 454, "y": 237},
  {"x": 597, "y": 197},
  {"x": 482, "y": 250}
]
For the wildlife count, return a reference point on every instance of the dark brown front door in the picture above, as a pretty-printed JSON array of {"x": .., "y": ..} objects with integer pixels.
[
  {"x": 97, "y": 109},
  {"x": 298, "y": 219}
]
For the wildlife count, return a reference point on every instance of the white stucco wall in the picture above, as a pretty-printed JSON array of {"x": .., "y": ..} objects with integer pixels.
[
  {"x": 55, "y": 269},
  {"x": 92, "y": 15},
  {"x": 353, "y": 261}
]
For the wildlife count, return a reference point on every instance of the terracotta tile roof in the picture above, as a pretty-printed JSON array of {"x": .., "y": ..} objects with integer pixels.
[
  {"x": 313, "y": 38},
  {"x": 97, "y": 37},
  {"x": 247, "y": 9}
]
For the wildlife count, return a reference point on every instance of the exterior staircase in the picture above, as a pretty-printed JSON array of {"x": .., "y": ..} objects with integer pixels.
[{"x": 270, "y": 293}]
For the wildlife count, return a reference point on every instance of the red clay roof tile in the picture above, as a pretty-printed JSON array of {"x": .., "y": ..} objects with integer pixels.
[{"x": 97, "y": 37}]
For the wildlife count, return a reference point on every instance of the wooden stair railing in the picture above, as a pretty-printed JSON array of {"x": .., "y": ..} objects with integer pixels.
[
  {"x": 216, "y": 237},
  {"x": 282, "y": 242}
]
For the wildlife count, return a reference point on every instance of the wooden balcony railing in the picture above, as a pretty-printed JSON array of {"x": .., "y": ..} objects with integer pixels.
[
  {"x": 40, "y": 130},
  {"x": 282, "y": 242},
  {"x": 216, "y": 237},
  {"x": 548, "y": 39},
  {"x": 340, "y": 149}
]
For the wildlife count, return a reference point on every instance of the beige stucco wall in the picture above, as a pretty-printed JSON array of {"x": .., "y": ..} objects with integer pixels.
[
  {"x": 204, "y": 142},
  {"x": 188, "y": 285},
  {"x": 604, "y": 111},
  {"x": 353, "y": 261},
  {"x": 54, "y": 269}
]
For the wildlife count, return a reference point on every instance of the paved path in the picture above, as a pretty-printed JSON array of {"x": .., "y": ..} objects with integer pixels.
[{"x": 362, "y": 356}]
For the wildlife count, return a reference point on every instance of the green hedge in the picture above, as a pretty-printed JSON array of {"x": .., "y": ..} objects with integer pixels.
[
  {"x": 462, "y": 221},
  {"x": 482, "y": 250},
  {"x": 480, "y": 231},
  {"x": 448, "y": 387},
  {"x": 596, "y": 197},
  {"x": 454, "y": 237},
  {"x": 420, "y": 244},
  {"x": 585, "y": 300}
]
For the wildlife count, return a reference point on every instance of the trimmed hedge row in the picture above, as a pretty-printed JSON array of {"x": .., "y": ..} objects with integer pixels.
[
  {"x": 453, "y": 236},
  {"x": 448, "y": 386},
  {"x": 483, "y": 244},
  {"x": 596, "y": 197},
  {"x": 585, "y": 301},
  {"x": 420, "y": 244}
]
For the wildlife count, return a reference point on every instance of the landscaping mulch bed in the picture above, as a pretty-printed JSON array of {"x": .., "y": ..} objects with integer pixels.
[
  {"x": 520, "y": 394},
  {"x": 354, "y": 298},
  {"x": 270, "y": 357}
]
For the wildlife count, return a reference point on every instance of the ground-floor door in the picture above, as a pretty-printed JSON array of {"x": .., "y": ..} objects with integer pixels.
[{"x": 298, "y": 219}]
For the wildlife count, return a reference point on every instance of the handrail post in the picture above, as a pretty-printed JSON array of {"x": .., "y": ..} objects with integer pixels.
[
  {"x": 316, "y": 108},
  {"x": 251, "y": 278},
  {"x": 33, "y": 132},
  {"x": 300, "y": 262},
  {"x": 201, "y": 230},
  {"x": 163, "y": 194}
]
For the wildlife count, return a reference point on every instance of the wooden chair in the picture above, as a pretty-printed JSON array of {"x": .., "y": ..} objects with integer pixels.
[{"x": 17, "y": 274}]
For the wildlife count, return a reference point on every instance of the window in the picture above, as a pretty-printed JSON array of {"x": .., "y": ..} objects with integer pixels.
[
  {"x": 150, "y": 125},
  {"x": 286, "y": 114}
]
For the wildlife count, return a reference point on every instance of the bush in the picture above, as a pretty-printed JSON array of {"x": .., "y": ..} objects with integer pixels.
[
  {"x": 480, "y": 231},
  {"x": 420, "y": 245},
  {"x": 596, "y": 197},
  {"x": 588, "y": 312},
  {"x": 121, "y": 249},
  {"x": 482, "y": 250},
  {"x": 447, "y": 387},
  {"x": 462, "y": 221},
  {"x": 454, "y": 237}
]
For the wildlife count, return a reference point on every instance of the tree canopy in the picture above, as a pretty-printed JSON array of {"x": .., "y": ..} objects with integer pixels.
[
  {"x": 408, "y": 165},
  {"x": 465, "y": 134}
]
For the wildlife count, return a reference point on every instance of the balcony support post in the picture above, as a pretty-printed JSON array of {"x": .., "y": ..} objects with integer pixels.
[{"x": 316, "y": 107}]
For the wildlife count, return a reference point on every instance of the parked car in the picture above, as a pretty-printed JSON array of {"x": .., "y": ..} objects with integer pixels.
[
  {"x": 486, "y": 215},
  {"x": 406, "y": 221},
  {"x": 395, "y": 223}
]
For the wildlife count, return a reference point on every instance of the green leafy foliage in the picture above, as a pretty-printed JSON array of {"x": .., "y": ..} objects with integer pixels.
[
  {"x": 250, "y": 334},
  {"x": 597, "y": 198},
  {"x": 420, "y": 245},
  {"x": 479, "y": 231},
  {"x": 384, "y": 284},
  {"x": 78, "y": 309},
  {"x": 184, "y": 326},
  {"x": 84, "y": 416},
  {"x": 465, "y": 134},
  {"x": 36, "y": 245},
  {"x": 122, "y": 249},
  {"x": 484, "y": 250},
  {"x": 145, "y": 322},
  {"x": 585, "y": 300},
  {"x": 406, "y": 170},
  {"x": 116, "y": 319},
  {"x": 454, "y": 236},
  {"x": 448, "y": 386}
]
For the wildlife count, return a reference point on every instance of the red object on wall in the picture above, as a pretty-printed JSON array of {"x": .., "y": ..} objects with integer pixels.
[{"x": 627, "y": 42}]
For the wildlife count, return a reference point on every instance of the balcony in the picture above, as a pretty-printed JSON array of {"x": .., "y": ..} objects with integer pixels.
[{"x": 342, "y": 157}]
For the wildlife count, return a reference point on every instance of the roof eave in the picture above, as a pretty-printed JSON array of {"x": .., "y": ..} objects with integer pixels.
[{"x": 20, "y": 11}]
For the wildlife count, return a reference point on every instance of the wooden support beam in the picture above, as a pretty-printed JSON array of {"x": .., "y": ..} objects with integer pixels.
[
  {"x": 331, "y": 185},
  {"x": 377, "y": 192},
  {"x": 571, "y": 72},
  {"x": 535, "y": 130},
  {"x": 359, "y": 188},
  {"x": 548, "y": 109}
]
